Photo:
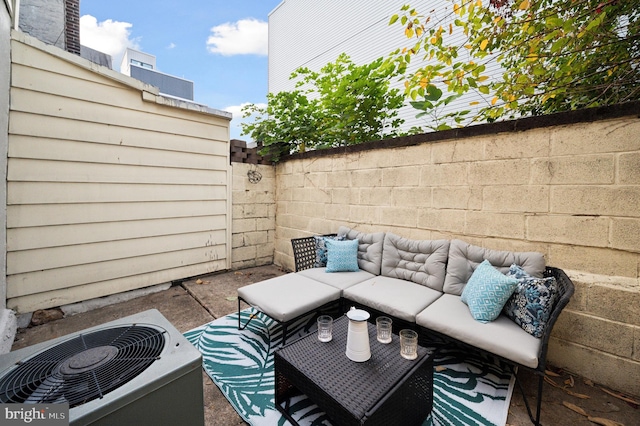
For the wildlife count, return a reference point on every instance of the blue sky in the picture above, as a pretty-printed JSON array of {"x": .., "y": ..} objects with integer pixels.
[{"x": 219, "y": 45}]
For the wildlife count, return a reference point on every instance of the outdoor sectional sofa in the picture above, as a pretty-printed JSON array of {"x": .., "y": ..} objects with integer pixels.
[{"x": 420, "y": 283}]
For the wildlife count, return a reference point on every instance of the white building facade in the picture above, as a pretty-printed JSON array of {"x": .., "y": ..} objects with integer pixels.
[{"x": 313, "y": 33}]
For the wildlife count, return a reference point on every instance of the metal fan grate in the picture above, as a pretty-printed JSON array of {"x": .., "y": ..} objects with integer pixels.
[{"x": 83, "y": 368}]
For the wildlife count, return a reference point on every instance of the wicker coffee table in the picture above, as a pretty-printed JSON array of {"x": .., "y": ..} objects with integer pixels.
[{"x": 385, "y": 390}]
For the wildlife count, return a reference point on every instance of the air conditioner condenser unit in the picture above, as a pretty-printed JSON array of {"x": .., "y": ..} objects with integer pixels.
[{"x": 138, "y": 370}]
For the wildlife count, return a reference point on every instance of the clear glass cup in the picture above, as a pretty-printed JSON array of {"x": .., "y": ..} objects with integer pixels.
[
  {"x": 408, "y": 344},
  {"x": 383, "y": 326},
  {"x": 325, "y": 326}
]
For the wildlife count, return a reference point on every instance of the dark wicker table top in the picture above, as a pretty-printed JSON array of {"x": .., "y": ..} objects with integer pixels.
[{"x": 357, "y": 386}]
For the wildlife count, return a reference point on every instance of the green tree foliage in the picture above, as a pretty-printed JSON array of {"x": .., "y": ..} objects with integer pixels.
[
  {"x": 342, "y": 104},
  {"x": 556, "y": 55}
]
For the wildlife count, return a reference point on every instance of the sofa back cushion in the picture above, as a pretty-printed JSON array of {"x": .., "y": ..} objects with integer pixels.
[
  {"x": 464, "y": 258},
  {"x": 369, "y": 248},
  {"x": 421, "y": 261}
]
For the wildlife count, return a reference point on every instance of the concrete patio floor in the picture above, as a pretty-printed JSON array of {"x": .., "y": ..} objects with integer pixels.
[{"x": 193, "y": 303}]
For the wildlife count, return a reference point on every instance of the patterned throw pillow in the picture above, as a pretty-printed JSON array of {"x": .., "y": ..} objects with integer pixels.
[
  {"x": 487, "y": 291},
  {"x": 321, "y": 249},
  {"x": 342, "y": 256},
  {"x": 531, "y": 302}
]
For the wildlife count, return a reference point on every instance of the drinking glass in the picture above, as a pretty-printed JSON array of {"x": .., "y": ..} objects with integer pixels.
[
  {"x": 408, "y": 344},
  {"x": 325, "y": 325},
  {"x": 383, "y": 326}
]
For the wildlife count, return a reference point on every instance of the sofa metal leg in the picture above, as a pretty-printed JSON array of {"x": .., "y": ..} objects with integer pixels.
[{"x": 535, "y": 420}]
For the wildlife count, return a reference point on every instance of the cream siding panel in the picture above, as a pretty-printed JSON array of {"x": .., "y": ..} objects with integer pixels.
[
  {"x": 61, "y": 297},
  {"x": 55, "y": 128},
  {"x": 41, "y": 215},
  {"x": 109, "y": 188}
]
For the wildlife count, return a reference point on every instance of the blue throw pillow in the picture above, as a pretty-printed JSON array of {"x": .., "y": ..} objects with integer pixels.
[
  {"x": 321, "y": 249},
  {"x": 531, "y": 302},
  {"x": 342, "y": 256},
  {"x": 487, "y": 291}
]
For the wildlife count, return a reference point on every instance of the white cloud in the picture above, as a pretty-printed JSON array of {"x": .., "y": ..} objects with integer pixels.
[
  {"x": 235, "y": 129},
  {"x": 245, "y": 37},
  {"x": 171, "y": 46},
  {"x": 110, "y": 37}
]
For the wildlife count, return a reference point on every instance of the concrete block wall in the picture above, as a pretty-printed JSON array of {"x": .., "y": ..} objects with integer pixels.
[
  {"x": 567, "y": 186},
  {"x": 253, "y": 216}
]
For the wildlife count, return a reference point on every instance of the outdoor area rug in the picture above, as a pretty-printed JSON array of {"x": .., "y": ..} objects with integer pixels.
[{"x": 468, "y": 389}]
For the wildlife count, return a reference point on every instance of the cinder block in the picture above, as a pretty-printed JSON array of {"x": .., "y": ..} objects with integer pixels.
[
  {"x": 444, "y": 174},
  {"x": 255, "y": 238},
  {"x": 617, "y": 135},
  {"x": 364, "y": 214},
  {"x": 495, "y": 224},
  {"x": 629, "y": 168},
  {"x": 339, "y": 179},
  {"x": 237, "y": 240},
  {"x": 243, "y": 253},
  {"x": 401, "y": 176},
  {"x": 399, "y": 216},
  {"x": 457, "y": 197},
  {"x": 576, "y": 230},
  {"x": 609, "y": 370},
  {"x": 584, "y": 169},
  {"x": 314, "y": 210},
  {"x": 531, "y": 143},
  {"x": 265, "y": 224},
  {"x": 596, "y": 200},
  {"x": 376, "y": 196},
  {"x": 516, "y": 198},
  {"x": 366, "y": 178},
  {"x": 600, "y": 334},
  {"x": 255, "y": 210},
  {"x": 636, "y": 344},
  {"x": 455, "y": 151},
  {"x": 407, "y": 156},
  {"x": 339, "y": 212},
  {"x": 615, "y": 303},
  {"x": 413, "y": 196},
  {"x": 243, "y": 225},
  {"x": 443, "y": 221},
  {"x": 499, "y": 172},
  {"x": 594, "y": 260},
  {"x": 315, "y": 180},
  {"x": 345, "y": 196},
  {"x": 264, "y": 251},
  {"x": 625, "y": 234}
]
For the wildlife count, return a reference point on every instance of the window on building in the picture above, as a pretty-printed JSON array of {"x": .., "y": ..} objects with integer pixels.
[{"x": 141, "y": 64}]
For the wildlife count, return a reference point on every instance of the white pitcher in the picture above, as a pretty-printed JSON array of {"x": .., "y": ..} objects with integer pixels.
[{"x": 358, "y": 335}]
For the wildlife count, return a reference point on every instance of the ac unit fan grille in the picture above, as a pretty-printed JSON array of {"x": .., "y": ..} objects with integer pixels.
[{"x": 83, "y": 368}]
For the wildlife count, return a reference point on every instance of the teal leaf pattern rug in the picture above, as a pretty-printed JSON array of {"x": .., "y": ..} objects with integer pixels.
[{"x": 469, "y": 389}]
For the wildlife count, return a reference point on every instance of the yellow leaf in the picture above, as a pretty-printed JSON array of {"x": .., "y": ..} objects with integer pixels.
[
  {"x": 408, "y": 32},
  {"x": 494, "y": 100},
  {"x": 423, "y": 82},
  {"x": 406, "y": 84},
  {"x": 450, "y": 28},
  {"x": 574, "y": 408},
  {"x": 467, "y": 46},
  {"x": 418, "y": 31},
  {"x": 456, "y": 8},
  {"x": 434, "y": 40},
  {"x": 524, "y": 5},
  {"x": 479, "y": 3},
  {"x": 483, "y": 44},
  {"x": 497, "y": 19},
  {"x": 474, "y": 103},
  {"x": 482, "y": 78}
]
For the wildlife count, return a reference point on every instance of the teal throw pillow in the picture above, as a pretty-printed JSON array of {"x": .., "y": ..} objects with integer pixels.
[
  {"x": 321, "y": 249},
  {"x": 487, "y": 291},
  {"x": 342, "y": 256}
]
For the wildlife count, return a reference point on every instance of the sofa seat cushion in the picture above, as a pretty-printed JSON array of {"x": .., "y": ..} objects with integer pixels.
[
  {"x": 464, "y": 258},
  {"x": 398, "y": 298},
  {"x": 339, "y": 280},
  {"x": 288, "y": 296},
  {"x": 450, "y": 316},
  {"x": 422, "y": 261},
  {"x": 369, "y": 248}
]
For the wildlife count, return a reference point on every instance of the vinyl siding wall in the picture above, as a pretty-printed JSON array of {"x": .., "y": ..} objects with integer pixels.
[
  {"x": 311, "y": 34},
  {"x": 110, "y": 186}
]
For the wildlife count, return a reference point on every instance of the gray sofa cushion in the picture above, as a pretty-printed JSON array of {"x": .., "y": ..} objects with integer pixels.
[
  {"x": 398, "y": 298},
  {"x": 503, "y": 337},
  {"x": 339, "y": 280},
  {"x": 464, "y": 258},
  {"x": 422, "y": 261},
  {"x": 369, "y": 248}
]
